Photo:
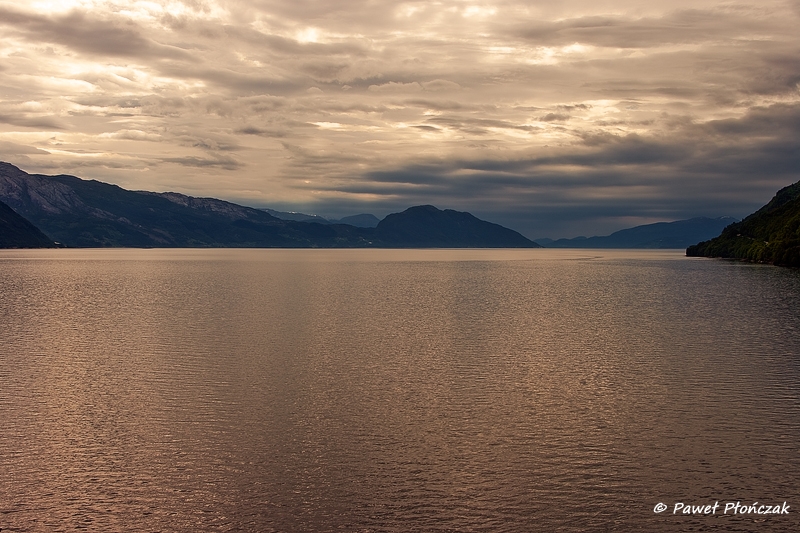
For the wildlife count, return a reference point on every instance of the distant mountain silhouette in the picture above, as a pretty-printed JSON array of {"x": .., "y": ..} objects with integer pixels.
[
  {"x": 299, "y": 217},
  {"x": 364, "y": 220},
  {"x": 16, "y": 232},
  {"x": 678, "y": 234},
  {"x": 89, "y": 213},
  {"x": 770, "y": 235},
  {"x": 427, "y": 226}
]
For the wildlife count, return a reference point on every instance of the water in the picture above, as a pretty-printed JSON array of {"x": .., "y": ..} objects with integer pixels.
[{"x": 395, "y": 390}]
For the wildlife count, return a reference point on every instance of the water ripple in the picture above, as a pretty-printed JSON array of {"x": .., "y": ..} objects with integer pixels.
[{"x": 278, "y": 390}]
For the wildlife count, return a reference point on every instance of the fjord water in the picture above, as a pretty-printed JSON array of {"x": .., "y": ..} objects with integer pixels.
[{"x": 395, "y": 390}]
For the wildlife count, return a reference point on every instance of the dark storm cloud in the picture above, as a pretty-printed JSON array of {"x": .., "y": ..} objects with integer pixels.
[
  {"x": 771, "y": 70},
  {"x": 723, "y": 167}
]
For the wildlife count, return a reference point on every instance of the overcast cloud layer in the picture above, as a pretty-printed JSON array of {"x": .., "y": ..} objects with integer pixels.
[{"x": 553, "y": 118}]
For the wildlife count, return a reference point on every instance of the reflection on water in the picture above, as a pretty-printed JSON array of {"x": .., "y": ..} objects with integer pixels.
[{"x": 394, "y": 390}]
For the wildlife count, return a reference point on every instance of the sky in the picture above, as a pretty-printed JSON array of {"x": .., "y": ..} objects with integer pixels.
[{"x": 554, "y": 118}]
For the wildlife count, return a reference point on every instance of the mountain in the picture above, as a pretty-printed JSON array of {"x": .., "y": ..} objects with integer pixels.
[
  {"x": 89, "y": 213},
  {"x": 426, "y": 226},
  {"x": 770, "y": 235},
  {"x": 299, "y": 217},
  {"x": 678, "y": 234},
  {"x": 364, "y": 220},
  {"x": 16, "y": 232}
]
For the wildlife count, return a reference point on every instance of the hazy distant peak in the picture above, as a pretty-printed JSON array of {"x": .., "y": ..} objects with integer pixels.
[
  {"x": 676, "y": 234},
  {"x": 363, "y": 220},
  {"x": 298, "y": 217}
]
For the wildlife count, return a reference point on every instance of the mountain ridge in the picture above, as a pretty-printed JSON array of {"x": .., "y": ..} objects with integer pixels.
[
  {"x": 659, "y": 235},
  {"x": 90, "y": 213}
]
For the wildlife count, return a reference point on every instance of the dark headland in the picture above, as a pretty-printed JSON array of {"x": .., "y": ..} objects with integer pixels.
[{"x": 770, "y": 235}]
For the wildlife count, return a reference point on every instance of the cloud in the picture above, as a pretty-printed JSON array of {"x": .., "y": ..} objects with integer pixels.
[
  {"x": 132, "y": 135},
  {"x": 438, "y": 105},
  {"x": 252, "y": 130},
  {"x": 549, "y": 117},
  {"x": 10, "y": 148},
  {"x": 478, "y": 126},
  {"x": 721, "y": 167},
  {"x": 690, "y": 26},
  {"x": 85, "y": 33},
  {"x": 32, "y": 121},
  {"x": 554, "y": 117},
  {"x": 226, "y": 163},
  {"x": 441, "y": 86},
  {"x": 396, "y": 88}
]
